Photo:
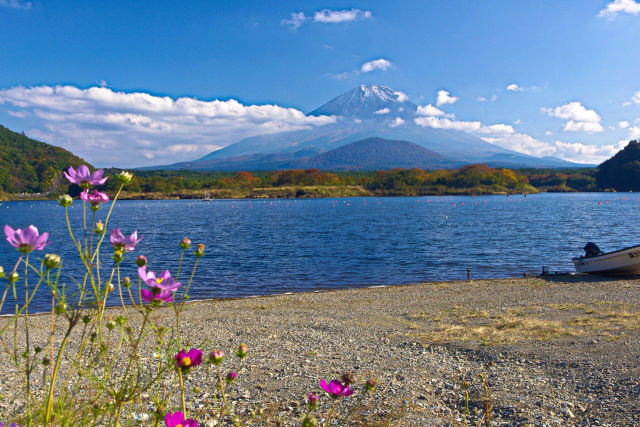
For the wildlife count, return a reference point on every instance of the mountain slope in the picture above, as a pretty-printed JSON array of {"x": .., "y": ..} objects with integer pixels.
[
  {"x": 622, "y": 171},
  {"x": 30, "y": 165},
  {"x": 378, "y": 153}
]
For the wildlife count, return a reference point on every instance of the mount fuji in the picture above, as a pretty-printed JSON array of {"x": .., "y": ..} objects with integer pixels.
[{"x": 365, "y": 112}]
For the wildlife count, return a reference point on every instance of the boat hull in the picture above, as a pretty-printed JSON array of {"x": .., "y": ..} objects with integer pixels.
[{"x": 625, "y": 262}]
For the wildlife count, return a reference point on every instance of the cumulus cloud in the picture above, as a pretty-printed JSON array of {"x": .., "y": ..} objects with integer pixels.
[
  {"x": 485, "y": 99},
  {"x": 326, "y": 16},
  {"x": 382, "y": 111},
  {"x": 515, "y": 88},
  {"x": 445, "y": 98},
  {"x": 401, "y": 96},
  {"x": 430, "y": 110},
  {"x": 16, "y": 4},
  {"x": 617, "y": 7},
  {"x": 444, "y": 123},
  {"x": 396, "y": 122},
  {"x": 117, "y": 128},
  {"x": 578, "y": 117},
  {"x": 376, "y": 64},
  {"x": 636, "y": 98}
]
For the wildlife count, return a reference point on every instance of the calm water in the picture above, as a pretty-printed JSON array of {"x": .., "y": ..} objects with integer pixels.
[{"x": 262, "y": 247}]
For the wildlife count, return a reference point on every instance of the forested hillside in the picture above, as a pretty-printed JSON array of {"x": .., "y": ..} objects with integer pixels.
[
  {"x": 27, "y": 165},
  {"x": 622, "y": 171}
]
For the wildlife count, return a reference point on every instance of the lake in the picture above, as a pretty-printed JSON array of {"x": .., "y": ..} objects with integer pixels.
[{"x": 258, "y": 247}]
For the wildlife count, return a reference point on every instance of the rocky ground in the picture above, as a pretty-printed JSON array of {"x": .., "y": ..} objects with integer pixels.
[{"x": 555, "y": 350}]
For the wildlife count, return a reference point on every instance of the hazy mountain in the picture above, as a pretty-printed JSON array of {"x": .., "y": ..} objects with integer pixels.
[{"x": 363, "y": 112}]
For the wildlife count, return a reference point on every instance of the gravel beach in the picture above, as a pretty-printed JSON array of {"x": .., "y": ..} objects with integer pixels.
[{"x": 554, "y": 350}]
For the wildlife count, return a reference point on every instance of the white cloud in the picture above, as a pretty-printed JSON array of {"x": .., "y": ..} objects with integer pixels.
[
  {"x": 444, "y": 123},
  {"x": 634, "y": 132},
  {"x": 376, "y": 64},
  {"x": 515, "y": 88},
  {"x": 328, "y": 16},
  {"x": 16, "y": 4},
  {"x": 19, "y": 114},
  {"x": 445, "y": 98},
  {"x": 578, "y": 117},
  {"x": 548, "y": 133},
  {"x": 430, "y": 110},
  {"x": 296, "y": 20},
  {"x": 623, "y": 124},
  {"x": 103, "y": 83},
  {"x": 485, "y": 99},
  {"x": 382, "y": 111},
  {"x": 589, "y": 127},
  {"x": 497, "y": 129},
  {"x": 636, "y": 97},
  {"x": 401, "y": 96},
  {"x": 325, "y": 16},
  {"x": 616, "y": 7},
  {"x": 397, "y": 122},
  {"x": 112, "y": 128}
]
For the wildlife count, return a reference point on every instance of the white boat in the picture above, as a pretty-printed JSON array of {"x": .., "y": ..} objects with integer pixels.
[{"x": 623, "y": 262}]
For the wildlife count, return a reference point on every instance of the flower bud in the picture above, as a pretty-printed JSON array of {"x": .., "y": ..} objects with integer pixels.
[
  {"x": 13, "y": 277},
  {"x": 465, "y": 385},
  {"x": 124, "y": 177},
  {"x": 126, "y": 282},
  {"x": 45, "y": 361},
  {"x": 185, "y": 243},
  {"x": 117, "y": 256},
  {"x": 61, "y": 307},
  {"x": 141, "y": 261},
  {"x": 1, "y": 272},
  {"x": 65, "y": 200},
  {"x": 99, "y": 228},
  {"x": 312, "y": 401},
  {"x": 111, "y": 324},
  {"x": 241, "y": 352},
  {"x": 51, "y": 261},
  {"x": 121, "y": 320},
  {"x": 370, "y": 384},
  {"x": 110, "y": 287},
  {"x": 199, "y": 250},
  {"x": 348, "y": 378},
  {"x": 231, "y": 377},
  {"x": 216, "y": 357},
  {"x": 85, "y": 319},
  {"x": 309, "y": 420}
]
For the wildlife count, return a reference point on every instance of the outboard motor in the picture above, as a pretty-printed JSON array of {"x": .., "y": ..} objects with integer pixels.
[{"x": 591, "y": 250}]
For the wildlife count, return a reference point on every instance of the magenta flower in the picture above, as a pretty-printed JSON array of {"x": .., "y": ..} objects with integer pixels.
[
  {"x": 156, "y": 294},
  {"x": 231, "y": 377},
  {"x": 177, "y": 420},
  {"x": 96, "y": 197},
  {"x": 335, "y": 388},
  {"x": 163, "y": 282},
  {"x": 312, "y": 401},
  {"x": 26, "y": 240},
  {"x": 186, "y": 360},
  {"x": 83, "y": 177},
  {"x": 122, "y": 243}
]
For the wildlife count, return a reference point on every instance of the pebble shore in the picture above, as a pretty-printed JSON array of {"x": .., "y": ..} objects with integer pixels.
[{"x": 555, "y": 350}]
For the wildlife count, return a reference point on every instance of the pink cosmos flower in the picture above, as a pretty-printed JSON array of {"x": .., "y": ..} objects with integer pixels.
[
  {"x": 122, "y": 243},
  {"x": 156, "y": 294},
  {"x": 83, "y": 177},
  {"x": 335, "y": 388},
  {"x": 26, "y": 240},
  {"x": 186, "y": 360},
  {"x": 163, "y": 282},
  {"x": 95, "y": 198},
  {"x": 177, "y": 420}
]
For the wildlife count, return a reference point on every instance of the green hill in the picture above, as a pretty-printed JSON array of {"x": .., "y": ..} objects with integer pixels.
[
  {"x": 622, "y": 171},
  {"x": 27, "y": 165}
]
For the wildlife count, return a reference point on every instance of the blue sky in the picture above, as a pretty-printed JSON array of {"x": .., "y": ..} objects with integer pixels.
[{"x": 149, "y": 82}]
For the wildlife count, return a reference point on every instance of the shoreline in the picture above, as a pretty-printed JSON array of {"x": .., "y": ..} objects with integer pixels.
[{"x": 544, "y": 343}]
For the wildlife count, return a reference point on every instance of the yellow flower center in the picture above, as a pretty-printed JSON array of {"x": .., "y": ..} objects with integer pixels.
[
  {"x": 186, "y": 361},
  {"x": 159, "y": 280}
]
